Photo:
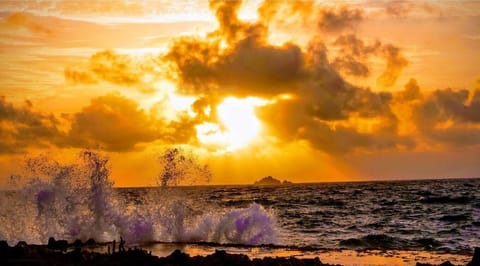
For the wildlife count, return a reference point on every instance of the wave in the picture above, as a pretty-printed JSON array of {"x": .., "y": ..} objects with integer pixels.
[{"x": 78, "y": 202}]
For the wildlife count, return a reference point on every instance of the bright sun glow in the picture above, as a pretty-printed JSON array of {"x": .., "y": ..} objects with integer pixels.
[{"x": 238, "y": 126}]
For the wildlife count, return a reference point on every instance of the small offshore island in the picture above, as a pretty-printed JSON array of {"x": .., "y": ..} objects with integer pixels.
[{"x": 271, "y": 181}]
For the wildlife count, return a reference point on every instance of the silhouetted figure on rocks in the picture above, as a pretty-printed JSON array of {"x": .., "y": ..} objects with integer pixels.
[{"x": 121, "y": 246}]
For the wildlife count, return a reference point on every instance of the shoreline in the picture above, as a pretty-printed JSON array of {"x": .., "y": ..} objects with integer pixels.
[{"x": 90, "y": 253}]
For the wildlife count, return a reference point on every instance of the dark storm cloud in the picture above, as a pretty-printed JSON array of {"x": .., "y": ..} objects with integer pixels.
[{"x": 21, "y": 127}]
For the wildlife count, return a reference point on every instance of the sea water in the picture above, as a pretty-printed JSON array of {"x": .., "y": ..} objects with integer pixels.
[{"x": 79, "y": 202}]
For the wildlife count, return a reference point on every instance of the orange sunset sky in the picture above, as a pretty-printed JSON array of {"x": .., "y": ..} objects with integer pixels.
[{"x": 308, "y": 91}]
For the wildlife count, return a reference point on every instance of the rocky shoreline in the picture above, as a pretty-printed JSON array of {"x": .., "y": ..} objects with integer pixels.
[{"x": 59, "y": 252}]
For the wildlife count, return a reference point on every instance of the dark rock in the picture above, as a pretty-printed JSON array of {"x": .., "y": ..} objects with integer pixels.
[
  {"x": 221, "y": 257},
  {"x": 179, "y": 257},
  {"x": 3, "y": 245},
  {"x": 3, "y": 248},
  {"x": 476, "y": 258},
  {"x": 446, "y": 263},
  {"x": 268, "y": 181},
  {"x": 57, "y": 244},
  {"x": 91, "y": 242},
  {"x": 21, "y": 244},
  {"x": 77, "y": 243},
  {"x": 61, "y": 244}
]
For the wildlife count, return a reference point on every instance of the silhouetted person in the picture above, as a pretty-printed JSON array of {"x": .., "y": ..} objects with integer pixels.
[
  {"x": 121, "y": 246},
  {"x": 113, "y": 247}
]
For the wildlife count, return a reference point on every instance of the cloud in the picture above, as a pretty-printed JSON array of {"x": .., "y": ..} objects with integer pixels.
[
  {"x": 32, "y": 23},
  {"x": 116, "y": 123},
  {"x": 79, "y": 76},
  {"x": 248, "y": 68},
  {"x": 21, "y": 127},
  {"x": 309, "y": 99},
  {"x": 450, "y": 117},
  {"x": 395, "y": 64},
  {"x": 308, "y": 14},
  {"x": 404, "y": 8},
  {"x": 338, "y": 19},
  {"x": 113, "y": 122},
  {"x": 325, "y": 110},
  {"x": 95, "y": 7},
  {"x": 410, "y": 93},
  {"x": 329, "y": 120},
  {"x": 399, "y": 8},
  {"x": 354, "y": 54},
  {"x": 115, "y": 68}
]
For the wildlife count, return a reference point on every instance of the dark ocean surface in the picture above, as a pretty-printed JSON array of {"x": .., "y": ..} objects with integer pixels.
[
  {"x": 433, "y": 215},
  {"x": 407, "y": 215}
]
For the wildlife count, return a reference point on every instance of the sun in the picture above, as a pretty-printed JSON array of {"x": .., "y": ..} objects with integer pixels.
[{"x": 238, "y": 125}]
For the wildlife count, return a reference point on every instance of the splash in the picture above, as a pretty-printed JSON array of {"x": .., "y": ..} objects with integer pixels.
[
  {"x": 178, "y": 165},
  {"x": 78, "y": 201}
]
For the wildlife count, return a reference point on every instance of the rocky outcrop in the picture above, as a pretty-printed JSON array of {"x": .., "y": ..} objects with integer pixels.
[{"x": 271, "y": 181}]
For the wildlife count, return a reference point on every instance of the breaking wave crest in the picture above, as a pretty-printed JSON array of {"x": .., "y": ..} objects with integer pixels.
[{"x": 77, "y": 201}]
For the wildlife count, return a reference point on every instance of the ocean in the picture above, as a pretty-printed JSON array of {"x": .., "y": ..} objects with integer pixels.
[{"x": 423, "y": 215}]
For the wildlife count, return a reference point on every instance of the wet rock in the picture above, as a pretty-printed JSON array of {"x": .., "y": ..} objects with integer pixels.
[{"x": 57, "y": 244}]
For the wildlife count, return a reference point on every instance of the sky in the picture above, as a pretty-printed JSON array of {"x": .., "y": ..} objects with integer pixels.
[{"x": 308, "y": 91}]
